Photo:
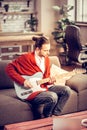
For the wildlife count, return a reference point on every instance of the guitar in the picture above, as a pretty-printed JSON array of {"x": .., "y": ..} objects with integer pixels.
[{"x": 36, "y": 80}]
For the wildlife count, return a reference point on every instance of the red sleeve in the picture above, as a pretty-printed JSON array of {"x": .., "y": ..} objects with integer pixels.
[
  {"x": 13, "y": 74},
  {"x": 10, "y": 69}
]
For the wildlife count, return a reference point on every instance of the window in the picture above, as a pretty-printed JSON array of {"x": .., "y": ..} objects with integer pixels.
[{"x": 79, "y": 14}]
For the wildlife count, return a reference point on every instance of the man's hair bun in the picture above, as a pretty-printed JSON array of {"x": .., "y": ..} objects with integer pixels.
[{"x": 39, "y": 41}]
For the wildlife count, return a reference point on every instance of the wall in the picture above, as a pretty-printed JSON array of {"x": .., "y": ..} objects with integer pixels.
[
  {"x": 47, "y": 18},
  {"x": 83, "y": 31},
  {"x": 45, "y": 15}
]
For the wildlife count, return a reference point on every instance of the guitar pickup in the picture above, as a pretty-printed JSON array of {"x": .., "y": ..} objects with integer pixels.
[{"x": 24, "y": 93}]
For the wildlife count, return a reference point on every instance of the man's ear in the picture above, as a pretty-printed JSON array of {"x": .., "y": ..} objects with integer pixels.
[{"x": 37, "y": 49}]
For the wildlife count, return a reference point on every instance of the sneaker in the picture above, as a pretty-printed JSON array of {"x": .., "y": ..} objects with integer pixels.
[{"x": 56, "y": 113}]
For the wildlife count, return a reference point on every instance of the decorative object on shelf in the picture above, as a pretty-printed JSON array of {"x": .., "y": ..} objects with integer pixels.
[
  {"x": 1, "y": 3},
  {"x": 28, "y": 3},
  {"x": 61, "y": 23},
  {"x": 32, "y": 22},
  {"x": 6, "y": 7}
]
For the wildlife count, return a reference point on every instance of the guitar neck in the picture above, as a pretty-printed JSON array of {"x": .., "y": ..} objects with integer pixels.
[
  {"x": 42, "y": 81},
  {"x": 75, "y": 71},
  {"x": 66, "y": 74}
]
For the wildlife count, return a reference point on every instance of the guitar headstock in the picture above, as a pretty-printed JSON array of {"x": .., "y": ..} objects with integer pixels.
[{"x": 79, "y": 71}]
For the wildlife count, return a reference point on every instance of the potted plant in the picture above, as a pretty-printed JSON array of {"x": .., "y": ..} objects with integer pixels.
[
  {"x": 33, "y": 23},
  {"x": 61, "y": 23}
]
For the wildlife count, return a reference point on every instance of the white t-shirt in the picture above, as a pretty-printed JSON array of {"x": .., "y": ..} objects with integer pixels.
[{"x": 40, "y": 62}]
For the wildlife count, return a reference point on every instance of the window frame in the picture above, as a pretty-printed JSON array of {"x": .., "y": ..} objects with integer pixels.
[{"x": 76, "y": 15}]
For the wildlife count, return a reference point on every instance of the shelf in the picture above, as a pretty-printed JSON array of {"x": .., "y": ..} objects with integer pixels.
[
  {"x": 18, "y": 13},
  {"x": 29, "y": 33}
]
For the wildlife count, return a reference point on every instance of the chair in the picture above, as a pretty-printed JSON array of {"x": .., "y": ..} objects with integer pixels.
[{"x": 76, "y": 51}]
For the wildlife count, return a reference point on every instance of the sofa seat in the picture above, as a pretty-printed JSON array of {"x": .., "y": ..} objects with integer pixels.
[
  {"x": 12, "y": 109},
  {"x": 71, "y": 105}
]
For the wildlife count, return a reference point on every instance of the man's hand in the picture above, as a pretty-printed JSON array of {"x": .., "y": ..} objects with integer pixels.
[
  {"x": 27, "y": 84},
  {"x": 52, "y": 80}
]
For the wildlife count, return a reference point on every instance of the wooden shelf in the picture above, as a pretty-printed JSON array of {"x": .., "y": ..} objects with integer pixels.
[{"x": 18, "y": 13}]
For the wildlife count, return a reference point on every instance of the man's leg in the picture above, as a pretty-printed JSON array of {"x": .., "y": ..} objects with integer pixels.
[
  {"x": 63, "y": 93},
  {"x": 49, "y": 99}
]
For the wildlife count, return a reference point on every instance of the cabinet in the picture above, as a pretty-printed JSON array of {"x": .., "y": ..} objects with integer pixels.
[
  {"x": 12, "y": 46},
  {"x": 10, "y": 52}
]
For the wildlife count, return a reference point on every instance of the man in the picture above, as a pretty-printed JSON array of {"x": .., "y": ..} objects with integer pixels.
[{"x": 53, "y": 97}]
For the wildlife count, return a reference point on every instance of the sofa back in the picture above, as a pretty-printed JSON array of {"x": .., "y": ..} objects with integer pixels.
[
  {"x": 55, "y": 60},
  {"x": 5, "y": 81}
]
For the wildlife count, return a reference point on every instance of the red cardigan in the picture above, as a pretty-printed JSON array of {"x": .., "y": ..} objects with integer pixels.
[{"x": 26, "y": 65}]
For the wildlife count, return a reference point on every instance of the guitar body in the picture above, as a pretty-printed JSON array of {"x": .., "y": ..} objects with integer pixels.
[{"x": 24, "y": 93}]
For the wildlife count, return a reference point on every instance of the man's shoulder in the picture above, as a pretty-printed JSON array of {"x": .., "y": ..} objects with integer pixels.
[{"x": 29, "y": 54}]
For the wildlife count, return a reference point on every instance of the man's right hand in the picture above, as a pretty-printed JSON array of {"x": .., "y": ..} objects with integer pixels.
[{"x": 27, "y": 84}]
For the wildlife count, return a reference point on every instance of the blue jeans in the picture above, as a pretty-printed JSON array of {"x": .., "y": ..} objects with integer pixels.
[{"x": 54, "y": 100}]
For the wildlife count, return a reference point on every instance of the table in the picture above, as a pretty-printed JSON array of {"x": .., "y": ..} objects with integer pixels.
[{"x": 46, "y": 123}]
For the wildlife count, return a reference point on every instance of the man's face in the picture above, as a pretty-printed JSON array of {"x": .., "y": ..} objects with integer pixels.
[{"x": 45, "y": 50}]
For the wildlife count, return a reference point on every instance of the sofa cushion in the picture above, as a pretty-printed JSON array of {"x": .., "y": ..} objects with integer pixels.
[
  {"x": 78, "y": 82},
  {"x": 82, "y": 101},
  {"x": 12, "y": 109},
  {"x": 5, "y": 81},
  {"x": 71, "y": 105}
]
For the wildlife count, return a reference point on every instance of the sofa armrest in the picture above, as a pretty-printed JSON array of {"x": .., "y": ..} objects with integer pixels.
[
  {"x": 5, "y": 81},
  {"x": 77, "y": 82}
]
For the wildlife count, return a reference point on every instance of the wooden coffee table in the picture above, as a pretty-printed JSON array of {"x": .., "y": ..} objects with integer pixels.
[{"x": 46, "y": 123}]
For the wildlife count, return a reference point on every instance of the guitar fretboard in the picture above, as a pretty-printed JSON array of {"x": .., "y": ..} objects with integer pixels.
[
  {"x": 42, "y": 81},
  {"x": 75, "y": 71}
]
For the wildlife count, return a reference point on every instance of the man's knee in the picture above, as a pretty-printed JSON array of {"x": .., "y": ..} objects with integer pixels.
[
  {"x": 53, "y": 96},
  {"x": 68, "y": 91}
]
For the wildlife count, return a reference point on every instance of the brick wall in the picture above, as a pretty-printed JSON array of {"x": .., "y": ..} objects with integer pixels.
[{"x": 14, "y": 23}]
